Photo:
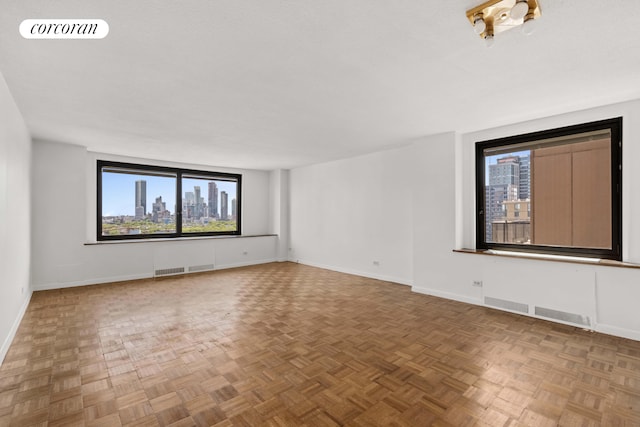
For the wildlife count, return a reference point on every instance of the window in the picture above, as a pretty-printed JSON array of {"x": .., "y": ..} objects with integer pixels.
[
  {"x": 571, "y": 181},
  {"x": 141, "y": 201}
]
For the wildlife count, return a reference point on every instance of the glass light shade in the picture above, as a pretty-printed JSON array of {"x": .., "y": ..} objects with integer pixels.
[
  {"x": 488, "y": 40},
  {"x": 529, "y": 26},
  {"x": 479, "y": 26},
  {"x": 519, "y": 10}
]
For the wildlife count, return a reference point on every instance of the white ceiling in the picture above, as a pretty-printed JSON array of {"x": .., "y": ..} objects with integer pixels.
[{"x": 272, "y": 84}]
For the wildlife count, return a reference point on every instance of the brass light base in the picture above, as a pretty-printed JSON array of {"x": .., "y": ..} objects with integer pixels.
[{"x": 496, "y": 15}]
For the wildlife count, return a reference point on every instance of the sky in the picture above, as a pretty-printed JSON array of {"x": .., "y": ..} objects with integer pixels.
[{"x": 119, "y": 191}]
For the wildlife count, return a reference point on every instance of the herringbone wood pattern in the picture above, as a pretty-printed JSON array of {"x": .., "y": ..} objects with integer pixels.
[{"x": 290, "y": 345}]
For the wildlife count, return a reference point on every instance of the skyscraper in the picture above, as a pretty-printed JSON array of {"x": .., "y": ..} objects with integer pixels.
[
  {"x": 199, "y": 209},
  {"x": 504, "y": 180},
  {"x": 213, "y": 200},
  {"x": 141, "y": 198},
  {"x": 234, "y": 209},
  {"x": 506, "y": 171},
  {"x": 509, "y": 180},
  {"x": 159, "y": 209},
  {"x": 495, "y": 195},
  {"x": 524, "y": 185},
  {"x": 188, "y": 205},
  {"x": 159, "y": 205},
  {"x": 189, "y": 198},
  {"x": 224, "y": 205}
]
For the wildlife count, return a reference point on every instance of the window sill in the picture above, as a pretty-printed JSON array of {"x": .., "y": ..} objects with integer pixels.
[
  {"x": 552, "y": 258},
  {"x": 173, "y": 239}
]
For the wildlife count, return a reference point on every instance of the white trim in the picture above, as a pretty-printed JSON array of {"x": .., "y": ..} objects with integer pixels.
[
  {"x": 176, "y": 239},
  {"x": 448, "y": 295},
  {"x": 597, "y": 327},
  {"x": 354, "y": 272},
  {"x": 102, "y": 280},
  {"x": 14, "y": 328},
  {"x": 618, "y": 332},
  {"x": 96, "y": 281},
  {"x": 243, "y": 264},
  {"x": 543, "y": 256}
]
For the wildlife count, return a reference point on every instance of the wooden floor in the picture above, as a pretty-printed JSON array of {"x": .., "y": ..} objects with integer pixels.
[{"x": 290, "y": 345}]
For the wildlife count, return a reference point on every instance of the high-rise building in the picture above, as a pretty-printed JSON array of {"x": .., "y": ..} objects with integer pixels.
[
  {"x": 495, "y": 195},
  {"x": 159, "y": 209},
  {"x": 199, "y": 202},
  {"x": 234, "y": 209},
  {"x": 213, "y": 200},
  {"x": 139, "y": 213},
  {"x": 224, "y": 205},
  {"x": 504, "y": 181},
  {"x": 189, "y": 198},
  {"x": 188, "y": 205},
  {"x": 514, "y": 170},
  {"x": 505, "y": 171},
  {"x": 141, "y": 198},
  {"x": 524, "y": 184},
  {"x": 509, "y": 181},
  {"x": 159, "y": 205}
]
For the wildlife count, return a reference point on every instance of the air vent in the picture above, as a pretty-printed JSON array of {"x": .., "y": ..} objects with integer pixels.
[
  {"x": 576, "y": 319},
  {"x": 205, "y": 267},
  {"x": 169, "y": 271},
  {"x": 507, "y": 305}
]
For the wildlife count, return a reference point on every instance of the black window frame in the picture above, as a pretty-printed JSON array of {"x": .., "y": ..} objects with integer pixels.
[
  {"x": 179, "y": 173},
  {"x": 615, "y": 253}
]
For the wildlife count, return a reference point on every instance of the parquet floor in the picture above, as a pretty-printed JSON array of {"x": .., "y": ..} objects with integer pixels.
[{"x": 290, "y": 345}]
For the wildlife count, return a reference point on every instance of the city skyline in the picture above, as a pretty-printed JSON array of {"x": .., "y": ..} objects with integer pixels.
[{"x": 119, "y": 192}]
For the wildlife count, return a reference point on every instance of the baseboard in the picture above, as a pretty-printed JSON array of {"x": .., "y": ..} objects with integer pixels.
[
  {"x": 446, "y": 295},
  {"x": 95, "y": 281},
  {"x": 480, "y": 302},
  {"x": 103, "y": 280},
  {"x": 618, "y": 332},
  {"x": 601, "y": 328},
  {"x": 367, "y": 274},
  {"x": 244, "y": 264},
  {"x": 14, "y": 329}
]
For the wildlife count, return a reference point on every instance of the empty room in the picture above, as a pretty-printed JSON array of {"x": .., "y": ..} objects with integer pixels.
[{"x": 319, "y": 213}]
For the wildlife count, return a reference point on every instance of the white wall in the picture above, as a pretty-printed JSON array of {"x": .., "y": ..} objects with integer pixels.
[
  {"x": 279, "y": 211},
  {"x": 65, "y": 252},
  {"x": 15, "y": 211},
  {"x": 337, "y": 209},
  {"x": 435, "y": 220},
  {"x": 607, "y": 296},
  {"x": 348, "y": 214}
]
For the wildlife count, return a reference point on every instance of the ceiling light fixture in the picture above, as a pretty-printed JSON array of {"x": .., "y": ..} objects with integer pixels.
[
  {"x": 488, "y": 39},
  {"x": 528, "y": 26},
  {"x": 496, "y": 16},
  {"x": 519, "y": 10},
  {"x": 478, "y": 24}
]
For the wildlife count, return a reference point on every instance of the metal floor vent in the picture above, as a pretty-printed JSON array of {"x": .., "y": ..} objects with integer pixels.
[
  {"x": 204, "y": 267},
  {"x": 563, "y": 316},
  {"x": 169, "y": 271},
  {"x": 508, "y": 305}
]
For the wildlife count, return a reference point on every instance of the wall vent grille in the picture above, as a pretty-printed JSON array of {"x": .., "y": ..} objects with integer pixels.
[
  {"x": 205, "y": 267},
  {"x": 563, "y": 316},
  {"x": 169, "y": 271},
  {"x": 508, "y": 305}
]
